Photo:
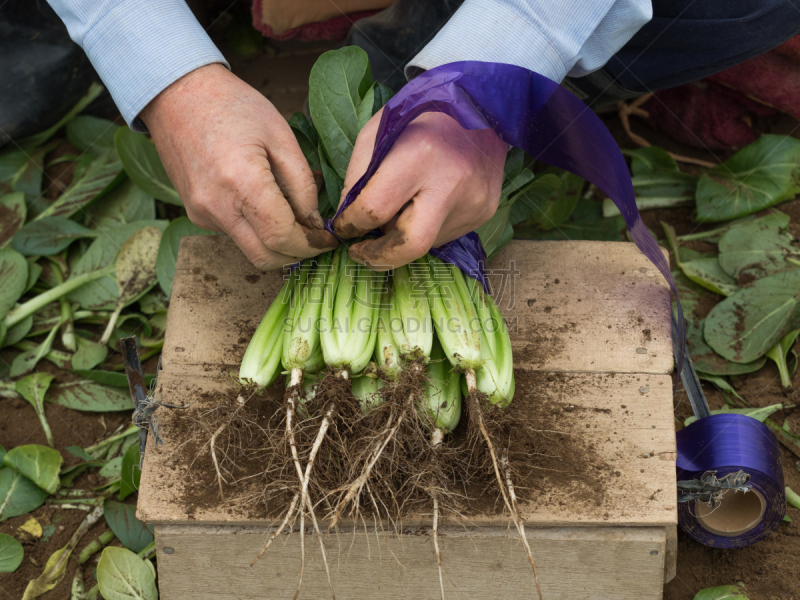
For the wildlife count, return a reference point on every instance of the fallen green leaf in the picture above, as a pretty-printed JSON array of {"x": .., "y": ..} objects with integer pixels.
[
  {"x": 725, "y": 592},
  {"x": 89, "y": 354},
  {"x": 708, "y": 273},
  {"x": 760, "y": 414},
  {"x": 50, "y": 235},
  {"x": 130, "y": 473},
  {"x": 126, "y": 203},
  {"x": 38, "y": 463},
  {"x": 11, "y": 553},
  {"x": 12, "y": 216},
  {"x": 121, "y": 575},
  {"x": 121, "y": 518},
  {"x": 18, "y": 494},
  {"x": 763, "y": 174},
  {"x": 14, "y": 275},
  {"x": 91, "y": 134},
  {"x": 792, "y": 497},
  {"x": 168, "y": 249},
  {"x": 756, "y": 250},
  {"x": 143, "y": 165},
  {"x": 90, "y": 397},
  {"x": 744, "y": 326},
  {"x": 118, "y": 380},
  {"x": 34, "y": 388}
]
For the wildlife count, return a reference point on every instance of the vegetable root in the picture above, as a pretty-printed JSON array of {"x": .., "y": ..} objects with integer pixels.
[
  {"x": 511, "y": 505},
  {"x": 212, "y": 444}
]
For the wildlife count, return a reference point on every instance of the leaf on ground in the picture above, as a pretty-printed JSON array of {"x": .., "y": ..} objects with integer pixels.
[
  {"x": 143, "y": 165},
  {"x": 761, "y": 175},
  {"x": 532, "y": 197},
  {"x": 126, "y": 203},
  {"x": 18, "y": 331},
  {"x": 757, "y": 250},
  {"x": 12, "y": 216},
  {"x": 38, "y": 463},
  {"x": 168, "y": 249},
  {"x": 90, "y": 397},
  {"x": 121, "y": 575},
  {"x": 53, "y": 573},
  {"x": 130, "y": 474},
  {"x": 337, "y": 82},
  {"x": 89, "y": 354},
  {"x": 102, "y": 175},
  {"x": 91, "y": 134},
  {"x": 158, "y": 326},
  {"x": 725, "y": 592},
  {"x": 759, "y": 414},
  {"x": 103, "y": 293},
  {"x": 708, "y": 273},
  {"x": 26, "y": 361},
  {"x": 155, "y": 300},
  {"x": 50, "y": 235},
  {"x": 134, "y": 535},
  {"x": 18, "y": 494},
  {"x": 112, "y": 378},
  {"x": 651, "y": 158},
  {"x": 792, "y": 497},
  {"x": 705, "y": 359},
  {"x": 112, "y": 469},
  {"x": 14, "y": 275},
  {"x": 744, "y": 326},
  {"x": 11, "y": 553},
  {"x": 136, "y": 264}
]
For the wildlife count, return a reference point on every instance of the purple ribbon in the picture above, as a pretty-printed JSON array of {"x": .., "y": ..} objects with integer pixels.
[
  {"x": 727, "y": 443},
  {"x": 531, "y": 112}
]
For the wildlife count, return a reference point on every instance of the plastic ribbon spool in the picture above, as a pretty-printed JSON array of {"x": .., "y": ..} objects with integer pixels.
[
  {"x": 725, "y": 444},
  {"x": 532, "y": 112}
]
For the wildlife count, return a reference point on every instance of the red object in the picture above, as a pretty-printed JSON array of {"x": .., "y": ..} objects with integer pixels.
[
  {"x": 334, "y": 30},
  {"x": 714, "y": 113}
]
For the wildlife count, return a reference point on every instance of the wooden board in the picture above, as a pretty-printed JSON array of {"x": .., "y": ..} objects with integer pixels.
[
  {"x": 623, "y": 563},
  {"x": 595, "y": 314}
]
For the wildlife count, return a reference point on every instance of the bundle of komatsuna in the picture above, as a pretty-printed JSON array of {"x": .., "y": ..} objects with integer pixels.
[{"x": 377, "y": 363}]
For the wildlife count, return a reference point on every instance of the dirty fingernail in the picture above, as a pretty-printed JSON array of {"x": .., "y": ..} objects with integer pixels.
[{"x": 316, "y": 220}]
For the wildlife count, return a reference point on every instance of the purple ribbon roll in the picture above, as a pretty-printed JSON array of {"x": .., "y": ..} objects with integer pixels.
[
  {"x": 727, "y": 443},
  {"x": 531, "y": 112}
]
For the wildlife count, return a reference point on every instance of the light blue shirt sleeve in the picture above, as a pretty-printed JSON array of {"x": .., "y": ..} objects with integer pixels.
[
  {"x": 138, "y": 47},
  {"x": 554, "y": 38}
]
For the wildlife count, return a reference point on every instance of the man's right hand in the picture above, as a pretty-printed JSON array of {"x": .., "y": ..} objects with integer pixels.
[{"x": 237, "y": 167}]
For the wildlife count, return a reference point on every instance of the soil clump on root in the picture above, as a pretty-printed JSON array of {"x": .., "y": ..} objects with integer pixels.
[{"x": 255, "y": 458}]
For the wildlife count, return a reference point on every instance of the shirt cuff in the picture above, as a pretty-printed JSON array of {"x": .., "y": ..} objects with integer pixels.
[
  {"x": 140, "y": 48},
  {"x": 505, "y": 37}
]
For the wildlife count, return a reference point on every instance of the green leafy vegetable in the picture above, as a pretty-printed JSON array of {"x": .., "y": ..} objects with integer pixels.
[
  {"x": 38, "y": 463},
  {"x": 12, "y": 216},
  {"x": 779, "y": 353},
  {"x": 121, "y": 575},
  {"x": 18, "y": 494},
  {"x": 792, "y": 497},
  {"x": 338, "y": 81},
  {"x": 168, "y": 249},
  {"x": 724, "y": 592},
  {"x": 744, "y": 326},
  {"x": 757, "y": 250},
  {"x": 49, "y": 235},
  {"x": 14, "y": 275},
  {"x": 11, "y": 553},
  {"x": 763, "y": 174},
  {"x": 90, "y": 397},
  {"x": 142, "y": 164},
  {"x": 307, "y": 139},
  {"x": 118, "y": 380},
  {"x": 131, "y": 474},
  {"x": 121, "y": 518},
  {"x": 760, "y": 414},
  {"x": 89, "y": 354},
  {"x": 95, "y": 89},
  {"x": 102, "y": 175},
  {"x": 126, "y": 203},
  {"x": 91, "y": 134},
  {"x": 33, "y": 388},
  {"x": 708, "y": 273}
]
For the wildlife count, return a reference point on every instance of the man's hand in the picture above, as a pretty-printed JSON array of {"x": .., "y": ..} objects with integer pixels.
[
  {"x": 437, "y": 183},
  {"x": 237, "y": 166}
]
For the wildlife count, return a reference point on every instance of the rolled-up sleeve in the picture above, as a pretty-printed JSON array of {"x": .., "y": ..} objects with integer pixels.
[
  {"x": 138, "y": 47},
  {"x": 554, "y": 38}
]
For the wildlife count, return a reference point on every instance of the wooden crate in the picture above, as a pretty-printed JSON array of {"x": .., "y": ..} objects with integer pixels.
[{"x": 596, "y": 311}]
